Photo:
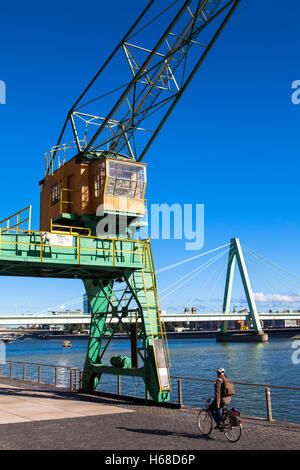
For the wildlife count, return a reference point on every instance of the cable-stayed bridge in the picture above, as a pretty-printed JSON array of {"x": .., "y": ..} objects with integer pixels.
[{"x": 235, "y": 255}]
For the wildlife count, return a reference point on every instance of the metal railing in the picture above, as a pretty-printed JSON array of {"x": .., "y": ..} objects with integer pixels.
[
  {"x": 15, "y": 219},
  {"x": 69, "y": 230},
  {"x": 242, "y": 393},
  {"x": 71, "y": 378},
  {"x": 138, "y": 246},
  {"x": 60, "y": 151},
  {"x": 47, "y": 374},
  {"x": 62, "y": 201},
  {"x": 260, "y": 396}
]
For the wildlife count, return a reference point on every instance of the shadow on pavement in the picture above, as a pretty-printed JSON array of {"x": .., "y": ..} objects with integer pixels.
[{"x": 162, "y": 432}]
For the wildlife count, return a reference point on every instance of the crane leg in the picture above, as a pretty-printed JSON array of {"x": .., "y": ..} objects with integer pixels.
[{"x": 98, "y": 293}]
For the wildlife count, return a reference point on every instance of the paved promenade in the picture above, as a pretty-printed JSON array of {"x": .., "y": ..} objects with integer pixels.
[{"x": 42, "y": 417}]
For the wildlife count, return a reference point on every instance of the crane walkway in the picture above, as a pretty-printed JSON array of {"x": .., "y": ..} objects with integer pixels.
[{"x": 40, "y": 254}]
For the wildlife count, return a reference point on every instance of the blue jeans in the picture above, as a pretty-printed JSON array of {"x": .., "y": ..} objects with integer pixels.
[{"x": 216, "y": 412}]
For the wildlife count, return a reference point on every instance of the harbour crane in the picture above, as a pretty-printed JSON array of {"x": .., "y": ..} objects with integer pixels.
[{"x": 94, "y": 185}]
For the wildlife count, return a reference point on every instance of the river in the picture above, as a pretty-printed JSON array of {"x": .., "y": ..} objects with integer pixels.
[{"x": 263, "y": 363}]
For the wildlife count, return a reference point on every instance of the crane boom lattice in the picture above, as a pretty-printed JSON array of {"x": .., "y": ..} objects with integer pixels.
[{"x": 153, "y": 70}]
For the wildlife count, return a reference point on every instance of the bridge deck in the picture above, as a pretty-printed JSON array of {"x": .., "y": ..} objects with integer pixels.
[{"x": 79, "y": 318}]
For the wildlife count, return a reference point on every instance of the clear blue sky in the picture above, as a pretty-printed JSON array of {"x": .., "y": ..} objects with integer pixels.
[{"x": 232, "y": 143}]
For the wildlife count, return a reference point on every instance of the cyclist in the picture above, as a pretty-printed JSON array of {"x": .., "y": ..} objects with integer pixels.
[{"x": 220, "y": 399}]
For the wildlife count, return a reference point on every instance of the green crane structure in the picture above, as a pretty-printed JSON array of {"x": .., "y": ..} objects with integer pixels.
[{"x": 111, "y": 133}]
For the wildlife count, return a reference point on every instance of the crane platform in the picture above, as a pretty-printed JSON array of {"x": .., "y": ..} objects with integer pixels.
[{"x": 40, "y": 254}]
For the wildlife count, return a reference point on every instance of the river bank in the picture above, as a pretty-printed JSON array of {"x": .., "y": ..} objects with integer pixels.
[{"x": 288, "y": 332}]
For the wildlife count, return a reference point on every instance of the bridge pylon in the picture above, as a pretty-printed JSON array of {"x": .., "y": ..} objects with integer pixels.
[{"x": 236, "y": 254}]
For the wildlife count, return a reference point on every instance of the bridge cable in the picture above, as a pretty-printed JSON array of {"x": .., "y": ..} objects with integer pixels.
[
  {"x": 189, "y": 259},
  {"x": 218, "y": 279},
  {"x": 203, "y": 284},
  {"x": 262, "y": 273},
  {"x": 157, "y": 272},
  {"x": 205, "y": 266},
  {"x": 270, "y": 285},
  {"x": 281, "y": 275},
  {"x": 66, "y": 304},
  {"x": 197, "y": 270},
  {"x": 271, "y": 262}
]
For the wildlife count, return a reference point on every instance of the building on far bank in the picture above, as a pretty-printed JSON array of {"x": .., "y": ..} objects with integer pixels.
[{"x": 85, "y": 304}]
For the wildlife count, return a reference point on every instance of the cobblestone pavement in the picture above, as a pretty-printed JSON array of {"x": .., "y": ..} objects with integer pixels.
[{"x": 144, "y": 428}]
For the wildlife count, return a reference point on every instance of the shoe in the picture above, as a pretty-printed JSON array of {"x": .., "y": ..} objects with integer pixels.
[{"x": 219, "y": 426}]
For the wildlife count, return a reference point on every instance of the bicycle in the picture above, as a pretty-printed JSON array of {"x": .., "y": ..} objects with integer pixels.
[{"x": 230, "y": 424}]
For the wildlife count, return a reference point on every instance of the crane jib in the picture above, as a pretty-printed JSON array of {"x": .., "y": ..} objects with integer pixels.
[{"x": 158, "y": 76}]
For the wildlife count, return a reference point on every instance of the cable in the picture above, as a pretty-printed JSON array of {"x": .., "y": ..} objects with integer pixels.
[
  {"x": 219, "y": 276},
  {"x": 203, "y": 267},
  {"x": 271, "y": 262},
  {"x": 59, "y": 305},
  {"x": 190, "y": 259},
  {"x": 198, "y": 269},
  {"x": 190, "y": 300},
  {"x": 273, "y": 269},
  {"x": 166, "y": 268}
]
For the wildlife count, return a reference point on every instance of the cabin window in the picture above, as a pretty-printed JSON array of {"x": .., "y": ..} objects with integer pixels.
[
  {"x": 99, "y": 178},
  {"x": 125, "y": 180},
  {"x": 54, "y": 194}
]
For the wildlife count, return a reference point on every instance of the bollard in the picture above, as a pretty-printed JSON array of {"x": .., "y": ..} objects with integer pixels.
[
  {"x": 11, "y": 370},
  {"x": 179, "y": 393},
  {"x": 56, "y": 376},
  {"x": 269, "y": 404},
  {"x": 24, "y": 371},
  {"x": 39, "y": 374},
  {"x": 80, "y": 379}
]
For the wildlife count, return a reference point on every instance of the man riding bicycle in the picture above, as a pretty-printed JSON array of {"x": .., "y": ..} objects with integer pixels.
[{"x": 220, "y": 398}]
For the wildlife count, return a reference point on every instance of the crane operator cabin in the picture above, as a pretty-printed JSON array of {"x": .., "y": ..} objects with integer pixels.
[{"x": 80, "y": 194}]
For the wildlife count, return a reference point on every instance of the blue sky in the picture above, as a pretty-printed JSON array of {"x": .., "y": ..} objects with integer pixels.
[{"x": 232, "y": 142}]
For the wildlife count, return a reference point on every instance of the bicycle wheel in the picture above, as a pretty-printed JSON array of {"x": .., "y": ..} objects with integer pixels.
[
  {"x": 232, "y": 427},
  {"x": 205, "y": 422}
]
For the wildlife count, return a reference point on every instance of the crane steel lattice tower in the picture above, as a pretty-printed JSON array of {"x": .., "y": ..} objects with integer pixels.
[{"x": 93, "y": 193}]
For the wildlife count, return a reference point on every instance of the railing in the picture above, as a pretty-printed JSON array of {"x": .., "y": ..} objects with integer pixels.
[
  {"x": 61, "y": 199},
  {"x": 69, "y": 230},
  {"x": 138, "y": 246},
  {"x": 17, "y": 222},
  {"x": 60, "y": 151},
  {"x": 48, "y": 374},
  {"x": 71, "y": 378},
  {"x": 255, "y": 401}
]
